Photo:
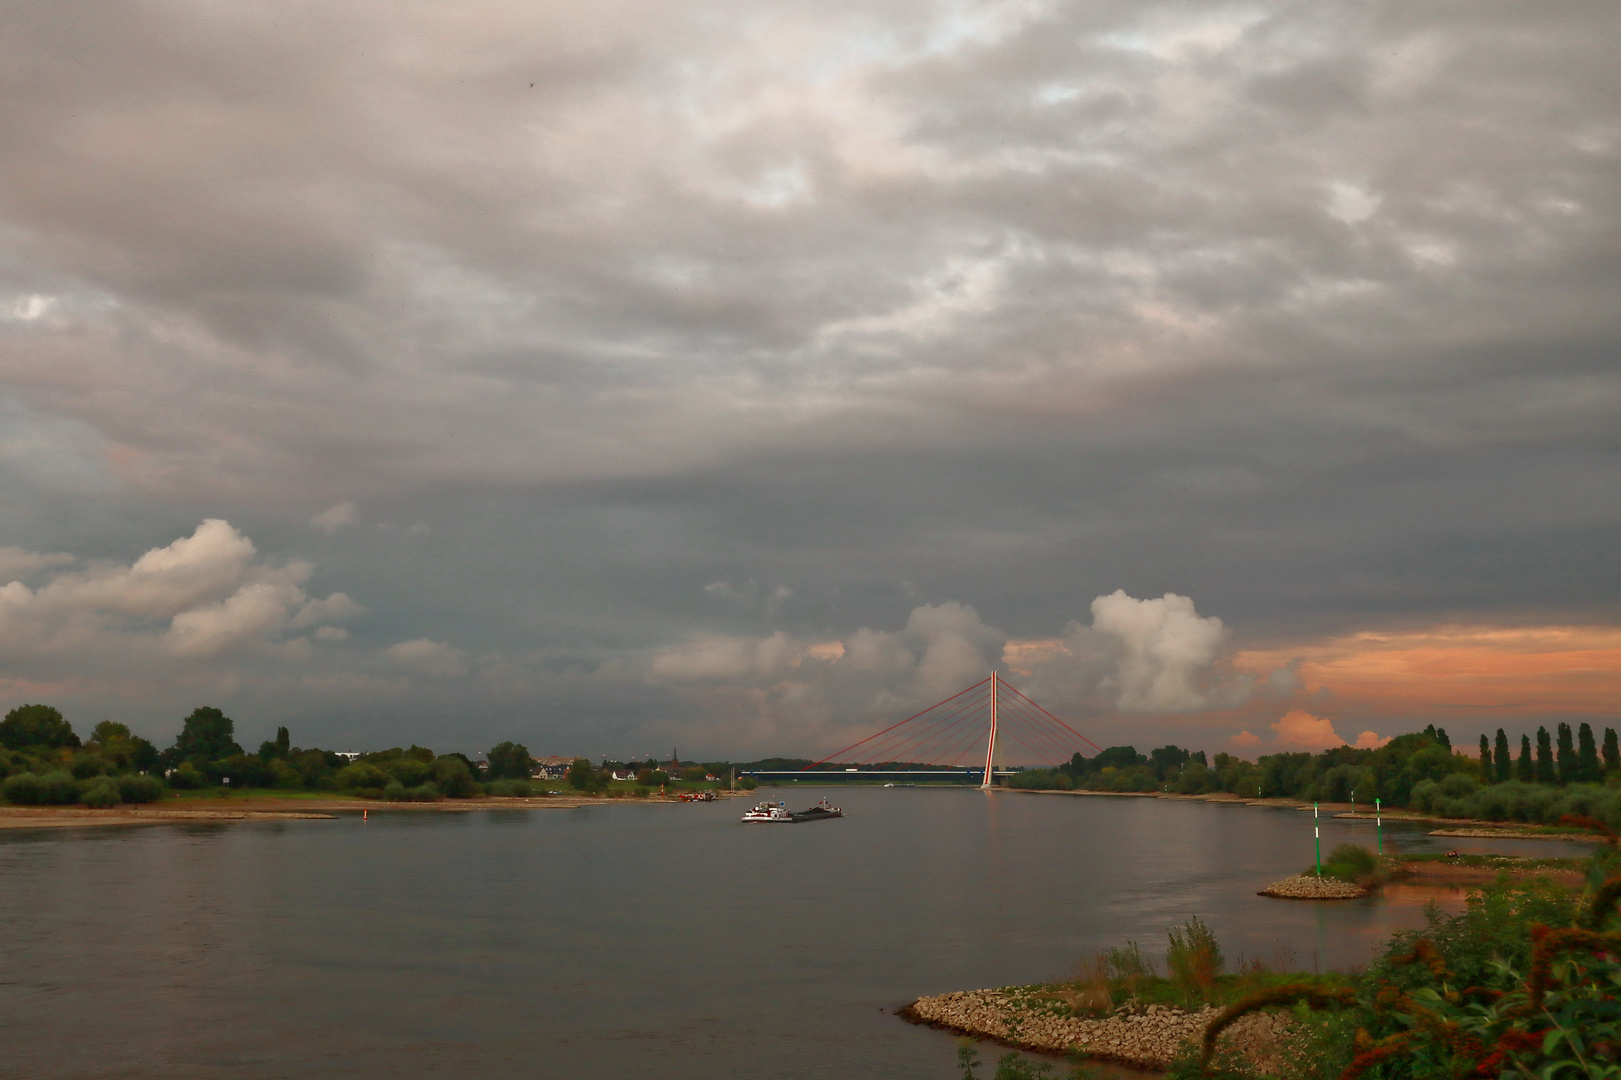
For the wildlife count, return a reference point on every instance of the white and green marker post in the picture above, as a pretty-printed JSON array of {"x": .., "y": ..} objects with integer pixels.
[
  {"x": 1317, "y": 829},
  {"x": 1379, "y": 826}
]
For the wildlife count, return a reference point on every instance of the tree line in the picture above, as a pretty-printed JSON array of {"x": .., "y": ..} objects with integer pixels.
[
  {"x": 43, "y": 761},
  {"x": 1569, "y": 772}
]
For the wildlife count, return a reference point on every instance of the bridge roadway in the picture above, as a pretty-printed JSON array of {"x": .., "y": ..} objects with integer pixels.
[{"x": 975, "y": 773}]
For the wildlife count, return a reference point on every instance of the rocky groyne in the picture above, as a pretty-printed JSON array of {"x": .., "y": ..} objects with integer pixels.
[
  {"x": 1146, "y": 1036},
  {"x": 1312, "y": 887}
]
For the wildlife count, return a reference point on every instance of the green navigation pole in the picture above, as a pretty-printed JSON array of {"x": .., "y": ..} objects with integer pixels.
[
  {"x": 1318, "y": 830},
  {"x": 1379, "y": 826}
]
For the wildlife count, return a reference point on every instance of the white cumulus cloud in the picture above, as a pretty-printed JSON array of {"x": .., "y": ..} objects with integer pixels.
[
  {"x": 334, "y": 518},
  {"x": 199, "y": 597},
  {"x": 1142, "y": 656},
  {"x": 434, "y": 658}
]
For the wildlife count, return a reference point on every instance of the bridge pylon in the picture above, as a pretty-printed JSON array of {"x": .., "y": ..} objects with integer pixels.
[{"x": 990, "y": 744}]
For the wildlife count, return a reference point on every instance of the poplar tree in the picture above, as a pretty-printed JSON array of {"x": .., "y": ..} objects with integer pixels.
[
  {"x": 1487, "y": 773},
  {"x": 1545, "y": 773},
  {"x": 1505, "y": 767},
  {"x": 1612, "y": 752},
  {"x": 1587, "y": 768},
  {"x": 1527, "y": 772},
  {"x": 1567, "y": 754}
]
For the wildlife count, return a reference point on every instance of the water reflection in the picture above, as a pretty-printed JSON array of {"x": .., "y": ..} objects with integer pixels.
[{"x": 620, "y": 939}]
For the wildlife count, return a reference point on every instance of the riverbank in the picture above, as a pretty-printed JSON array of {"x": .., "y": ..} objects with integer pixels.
[
  {"x": 1149, "y": 1037},
  {"x": 1458, "y": 827},
  {"x": 291, "y": 808}
]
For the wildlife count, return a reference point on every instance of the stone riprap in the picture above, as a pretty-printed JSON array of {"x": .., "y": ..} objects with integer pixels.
[
  {"x": 1312, "y": 887},
  {"x": 1146, "y": 1037}
]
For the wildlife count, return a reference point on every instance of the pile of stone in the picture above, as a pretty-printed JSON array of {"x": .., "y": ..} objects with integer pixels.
[
  {"x": 1312, "y": 887},
  {"x": 1145, "y": 1037}
]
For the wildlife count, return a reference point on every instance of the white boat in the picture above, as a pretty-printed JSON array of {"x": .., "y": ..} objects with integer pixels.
[{"x": 769, "y": 812}]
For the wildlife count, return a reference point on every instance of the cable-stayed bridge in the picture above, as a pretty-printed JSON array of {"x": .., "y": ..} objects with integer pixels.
[{"x": 971, "y": 727}]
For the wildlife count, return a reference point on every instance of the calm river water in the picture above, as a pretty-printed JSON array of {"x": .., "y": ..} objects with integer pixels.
[{"x": 616, "y": 941}]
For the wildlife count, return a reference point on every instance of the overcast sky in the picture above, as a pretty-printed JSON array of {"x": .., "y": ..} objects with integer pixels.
[{"x": 739, "y": 376}]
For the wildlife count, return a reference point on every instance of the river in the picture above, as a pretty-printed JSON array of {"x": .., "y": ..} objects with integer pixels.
[{"x": 619, "y": 940}]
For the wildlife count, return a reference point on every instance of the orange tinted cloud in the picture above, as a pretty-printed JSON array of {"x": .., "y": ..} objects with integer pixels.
[
  {"x": 1300, "y": 730},
  {"x": 1543, "y": 669}
]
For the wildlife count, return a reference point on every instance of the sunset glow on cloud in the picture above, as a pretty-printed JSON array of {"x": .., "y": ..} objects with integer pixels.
[{"x": 1509, "y": 670}]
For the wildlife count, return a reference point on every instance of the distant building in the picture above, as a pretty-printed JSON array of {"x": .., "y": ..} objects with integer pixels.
[
  {"x": 347, "y": 755},
  {"x": 549, "y": 768}
]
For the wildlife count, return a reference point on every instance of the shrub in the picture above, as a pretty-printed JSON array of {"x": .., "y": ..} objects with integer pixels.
[
  {"x": 283, "y": 774},
  {"x": 508, "y": 789},
  {"x": 101, "y": 793},
  {"x": 1194, "y": 958},
  {"x": 1495, "y": 927},
  {"x": 398, "y": 792},
  {"x": 748, "y": 783},
  {"x": 409, "y": 771},
  {"x": 32, "y": 789},
  {"x": 22, "y": 789},
  {"x": 362, "y": 775},
  {"x": 1350, "y": 862},
  {"x": 139, "y": 788},
  {"x": 452, "y": 776},
  {"x": 86, "y": 764},
  {"x": 187, "y": 778}
]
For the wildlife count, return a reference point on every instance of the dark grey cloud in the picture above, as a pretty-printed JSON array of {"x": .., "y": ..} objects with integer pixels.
[{"x": 623, "y": 325}]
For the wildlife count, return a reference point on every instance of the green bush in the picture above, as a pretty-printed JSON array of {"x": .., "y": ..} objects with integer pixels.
[
  {"x": 1494, "y": 927},
  {"x": 139, "y": 788},
  {"x": 101, "y": 793},
  {"x": 33, "y": 789},
  {"x": 86, "y": 764},
  {"x": 452, "y": 777},
  {"x": 1041, "y": 780},
  {"x": 508, "y": 789},
  {"x": 1514, "y": 800},
  {"x": 398, "y": 792},
  {"x": 285, "y": 775},
  {"x": 1349, "y": 862},
  {"x": 409, "y": 772},
  {"x": 187, "y": 778},
  {"x": 362, "y": 775}
]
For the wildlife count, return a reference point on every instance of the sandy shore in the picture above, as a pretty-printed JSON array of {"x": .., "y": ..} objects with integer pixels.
[
  {"x": 1511, "y": 833},
  {"x": 269, "y": 808},
  {"x": 1146, "y": 1039}
]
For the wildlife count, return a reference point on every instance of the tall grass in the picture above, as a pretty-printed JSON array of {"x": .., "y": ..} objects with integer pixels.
[
  {"x": 1197, "y": 975},
  {"x": 1194, "y": 959}
]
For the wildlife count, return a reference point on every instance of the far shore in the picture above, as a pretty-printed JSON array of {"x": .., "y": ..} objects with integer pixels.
[
  {"x": 1461, "y": 827},
  {"x": 174, "y": 811}
]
